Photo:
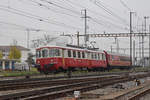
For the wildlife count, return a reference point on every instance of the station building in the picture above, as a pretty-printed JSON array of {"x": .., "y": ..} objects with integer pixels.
[{"x": 8, "y": 64}]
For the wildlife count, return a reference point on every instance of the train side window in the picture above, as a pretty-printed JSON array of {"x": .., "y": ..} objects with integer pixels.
[
  {"x": 74, "y": 54},
  {"x": 83, "y": 55},
  {"x": 92, "y": 54},
  {"x": 54, "y": 52},
  {"x": 69, "y": 53},
  {"x": 98, "y": 56},
  {"x": 123, "y": 58},
  {"x": 103, "y": 57},
  {"x": 95, "y": 56},
  {"x": 88, "y": 55},
  {"x": 38, "y": 54},
  {"x": 57, "y": 52},
  {"x": 51, "y": 53},
  {"x": 79, "y": 55}
]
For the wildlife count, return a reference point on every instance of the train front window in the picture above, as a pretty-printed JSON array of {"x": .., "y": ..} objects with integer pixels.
[
  {"x": 38, "y": 54},
  {"x": 44, "y": 53},
  {"x": 54, "y": 52}
]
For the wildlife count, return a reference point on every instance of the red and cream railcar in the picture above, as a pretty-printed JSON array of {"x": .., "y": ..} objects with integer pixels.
[
  {"x": 118, "y": 60},
  {"x": 57, "y": 58}
]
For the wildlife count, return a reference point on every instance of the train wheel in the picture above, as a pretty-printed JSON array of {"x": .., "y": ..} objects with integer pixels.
[
  {"x": 45, "y": 72},
  {"x": 60, "y": 69},
  {"x": 69, "y": 72},
  {"x": 89, "y": 69}
]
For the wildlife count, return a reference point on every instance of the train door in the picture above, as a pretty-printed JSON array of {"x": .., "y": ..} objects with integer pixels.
[
  {"x": 107, "y": 58},
  {"x": 89, "y": 59},
  {"x": 63, "y": 58}
]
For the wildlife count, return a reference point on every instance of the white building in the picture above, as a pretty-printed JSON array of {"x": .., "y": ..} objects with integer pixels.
[{"x": 6, "y": 63}]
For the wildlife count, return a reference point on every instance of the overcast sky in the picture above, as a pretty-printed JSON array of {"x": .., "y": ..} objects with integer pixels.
[{"x": 54, "y": 17}]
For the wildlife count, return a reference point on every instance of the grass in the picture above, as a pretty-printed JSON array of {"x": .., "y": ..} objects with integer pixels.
[
  {"x": 18, "y": 73},
  {"x": 34, "y": 71}
]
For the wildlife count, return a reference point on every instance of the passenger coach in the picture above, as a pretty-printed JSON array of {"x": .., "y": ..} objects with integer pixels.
[
  {"x": 57, "y": 58},
  {"x": 117, "y": 61}
]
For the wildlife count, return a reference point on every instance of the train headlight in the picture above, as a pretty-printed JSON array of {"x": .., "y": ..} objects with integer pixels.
[
  {"x": 38, "y": 62},
  {"x": 52, "y": 60}
]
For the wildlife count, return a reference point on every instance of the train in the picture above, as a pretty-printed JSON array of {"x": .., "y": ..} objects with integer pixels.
[{"x": 60, "y": 59}]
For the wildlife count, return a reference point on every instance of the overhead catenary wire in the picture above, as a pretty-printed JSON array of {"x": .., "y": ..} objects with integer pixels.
[
  {"x": 100, "y": 4},
  {"x": 92, "y": 11},
  {"x": 50, "y": 8},
  {"x": 40, "y": 4},
  {"x": 103, "y": 22},
  {"x": 54, "y": 4},
  {"x": 29, "y": 15},
  {"x": 21, "y": 27},
  {"x": 111, "y": 24},
  {"x": 124, "y": 4},
  {"x": 110, "y": 11}
]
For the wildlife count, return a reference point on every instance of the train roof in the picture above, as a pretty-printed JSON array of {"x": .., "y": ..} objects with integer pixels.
[
  {"x": 117, "y": 54},
  {"x": 72, "y": 48},
  {"x": 84, "y": 49}
]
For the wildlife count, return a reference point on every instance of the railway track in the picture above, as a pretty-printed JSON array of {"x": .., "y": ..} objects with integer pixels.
[
  {"x": 134, "y": 93},
  {"x": 23, "y": 79},
  {"x": 59, "y": 90},
  {"x": 48, "y": 81},
  {"x": 51, "y": 77},
  {"x": 92, "y": 83},
  {"x": 141, "y": 94},
  {"x": 44, "y": 83}
]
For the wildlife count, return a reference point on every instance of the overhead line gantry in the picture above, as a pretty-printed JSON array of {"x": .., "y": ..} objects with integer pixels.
[{"x": 110, "y": 35}]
